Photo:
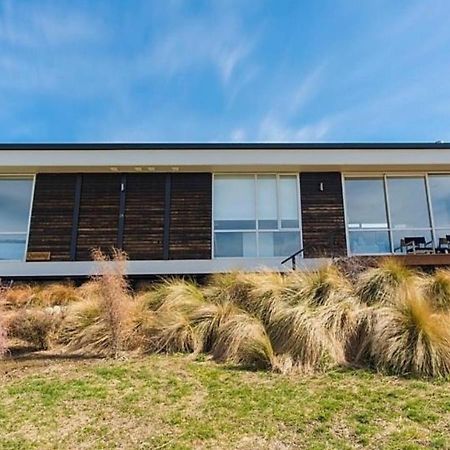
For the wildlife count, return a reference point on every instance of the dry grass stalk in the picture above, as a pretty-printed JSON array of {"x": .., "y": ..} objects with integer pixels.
[{"x": 97, "y": 324}]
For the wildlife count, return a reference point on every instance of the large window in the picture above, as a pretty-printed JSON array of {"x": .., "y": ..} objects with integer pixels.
[
  {"x": 256, "y": 215},
  {"x": 440, "y": 202},
  {"x": 15, "y": 200},
  {"x": 381, "y": 211}
]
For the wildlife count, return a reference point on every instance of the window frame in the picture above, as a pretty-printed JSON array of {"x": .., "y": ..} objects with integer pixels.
[
  {"x": 32, "y": 177},
  {"x": 385, "y": 175},
  {"x": 256, "y": 230}
]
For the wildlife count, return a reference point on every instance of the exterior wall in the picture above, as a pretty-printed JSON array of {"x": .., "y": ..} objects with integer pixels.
[
  {"x": 144, "y": 216},
  {"x": 323, "y": 223},
  {"x": 52, "y": 216},
  {"x": 190, "y": 216},
  {"x": 151, "y": 216},
  {"x": 99, "y": 214}
]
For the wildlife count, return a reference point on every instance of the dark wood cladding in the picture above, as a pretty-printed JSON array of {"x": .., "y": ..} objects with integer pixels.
[
  {"x": 190, "y": 216},
  {"x": 155, "y": 216},
  {"x": 322, "y": 214},
  {"x": 52, "y": 215},
  {"x": 99, "y": 214},
  {"x": 144, "y": 216}
]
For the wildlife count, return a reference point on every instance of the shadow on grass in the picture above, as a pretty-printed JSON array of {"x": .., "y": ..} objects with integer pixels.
[{"x": 29, "y": 353}]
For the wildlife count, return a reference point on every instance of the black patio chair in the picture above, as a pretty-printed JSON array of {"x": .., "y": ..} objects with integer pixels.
[
  {"x": 444, "y": 244},
  {"x": 416, "y": 244}
]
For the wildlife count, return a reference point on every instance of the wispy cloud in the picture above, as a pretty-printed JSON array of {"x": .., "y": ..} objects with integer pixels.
[{"x": 212, "y": 39}]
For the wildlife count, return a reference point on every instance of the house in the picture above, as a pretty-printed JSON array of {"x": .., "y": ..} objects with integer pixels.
[{"x": 203, "y": 208}]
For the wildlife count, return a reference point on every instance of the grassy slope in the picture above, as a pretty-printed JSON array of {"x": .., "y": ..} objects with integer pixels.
[{"x": 172, "y": 402}]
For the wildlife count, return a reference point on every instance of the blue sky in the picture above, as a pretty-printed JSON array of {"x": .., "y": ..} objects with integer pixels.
[{"x": 225, "y": 70}]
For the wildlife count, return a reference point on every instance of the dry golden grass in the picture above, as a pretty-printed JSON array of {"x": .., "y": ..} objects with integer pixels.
[
  {"x": 24, "y": 295},
  {"x": 437, "y": 288},
  {"x": 243, "y": 340},
  {"x": 207, "y": 321},
  {"x": 97, "y": 324},
  {"x": 409, "y": 337},
  {"x": 382, "y": 284},
  {"x": 318, "y": 287},
  {"x": 34, "y": 326},
  {"x": 395, "y": 319}
]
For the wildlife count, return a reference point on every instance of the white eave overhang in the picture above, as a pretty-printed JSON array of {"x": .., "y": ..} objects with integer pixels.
[{"x": 232, "y": 159}]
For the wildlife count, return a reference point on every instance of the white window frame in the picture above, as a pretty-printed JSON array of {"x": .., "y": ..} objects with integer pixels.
[
  {"x": 256, "y": 230},
  {"x": 389, "y": 229},
  {"x": 31, "y": 177}
]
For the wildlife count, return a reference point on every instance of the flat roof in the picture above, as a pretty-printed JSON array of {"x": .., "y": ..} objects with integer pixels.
[
  {"x": 224, "y": 146},
  {"x": 223, "y": 157}
]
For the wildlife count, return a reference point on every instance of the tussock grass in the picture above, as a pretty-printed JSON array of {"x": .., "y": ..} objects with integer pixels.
[
  {"x": 175, "y": 294},
  {"x": 242, "y": 339},
  {"x": 34, "y": 326},
  {"x": 207, "y": 320},
  {"x": 437, "y": 289},
  {"x": 54, "y": 294},
  {"x": 409, "y": 337},
  {"x": 382, "y": 284},
  {"x": 391, "y": 318},
  {"x": 319, "y": 287}
]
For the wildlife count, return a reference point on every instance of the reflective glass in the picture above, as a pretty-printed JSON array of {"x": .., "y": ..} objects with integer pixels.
[
  {"x": 235, "y": 244},
  {"x": 279, "y": 243},
  {"x": 440, "y": 199},
  {"x": 369, "y": 242},
  {"x": 365, "y": 203},
  {"x": 408, "y": 204}
]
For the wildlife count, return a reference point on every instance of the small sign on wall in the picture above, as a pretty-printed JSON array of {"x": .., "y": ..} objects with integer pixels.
[{"x": 38, "y": 256}]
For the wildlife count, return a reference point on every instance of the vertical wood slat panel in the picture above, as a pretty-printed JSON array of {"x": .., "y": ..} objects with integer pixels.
[
  {"x": 144, "y": 216},
  {"x": 99, "y": 214},
  {"x": 323, "y": 223},
  {"x": 52, "y": 215},
  {"x": 190, "y": 216}
]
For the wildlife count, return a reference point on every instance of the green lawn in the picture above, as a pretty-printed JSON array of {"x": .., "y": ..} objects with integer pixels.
[{"x": 176, "y": 403}]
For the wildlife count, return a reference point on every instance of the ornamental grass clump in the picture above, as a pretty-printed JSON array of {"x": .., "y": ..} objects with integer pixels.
[
  {"x": 384, "y": 283},
  {"x": 97, "y": 324},
  {"x": 165, "y": 316},
  {"x": 436, "y": 288},
  {"x": 318, "y": 287},
  {"x": 408, "y": 337},
  {"x": 34, "y": 326},
  {"x": 296, "y": 331},
  {"x": 243, "y": 340}
]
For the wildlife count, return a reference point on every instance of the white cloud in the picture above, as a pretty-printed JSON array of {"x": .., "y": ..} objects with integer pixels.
[
  {"x": 272, "y": 129},
  {"x": 209, "y": 40},
  {"x": 25, "y": 26}
]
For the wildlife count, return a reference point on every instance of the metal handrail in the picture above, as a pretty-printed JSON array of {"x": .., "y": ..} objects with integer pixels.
[{"x": 293, "y": 258}]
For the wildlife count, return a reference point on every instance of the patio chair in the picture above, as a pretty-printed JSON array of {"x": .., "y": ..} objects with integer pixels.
[
  {"x": 416, "y": 244},
  {"x": 444, "y": 244}
]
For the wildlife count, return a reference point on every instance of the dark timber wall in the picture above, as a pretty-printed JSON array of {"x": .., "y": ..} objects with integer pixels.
[
  {"x": 190, "y": 216},
  {"x": 150, "y": 216},
  {"x": 322, "y": 214},
  {"x": 144, "y": 216},
  {"x": 52, "y": 215},
  {"x": 98, "y": 222}
]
